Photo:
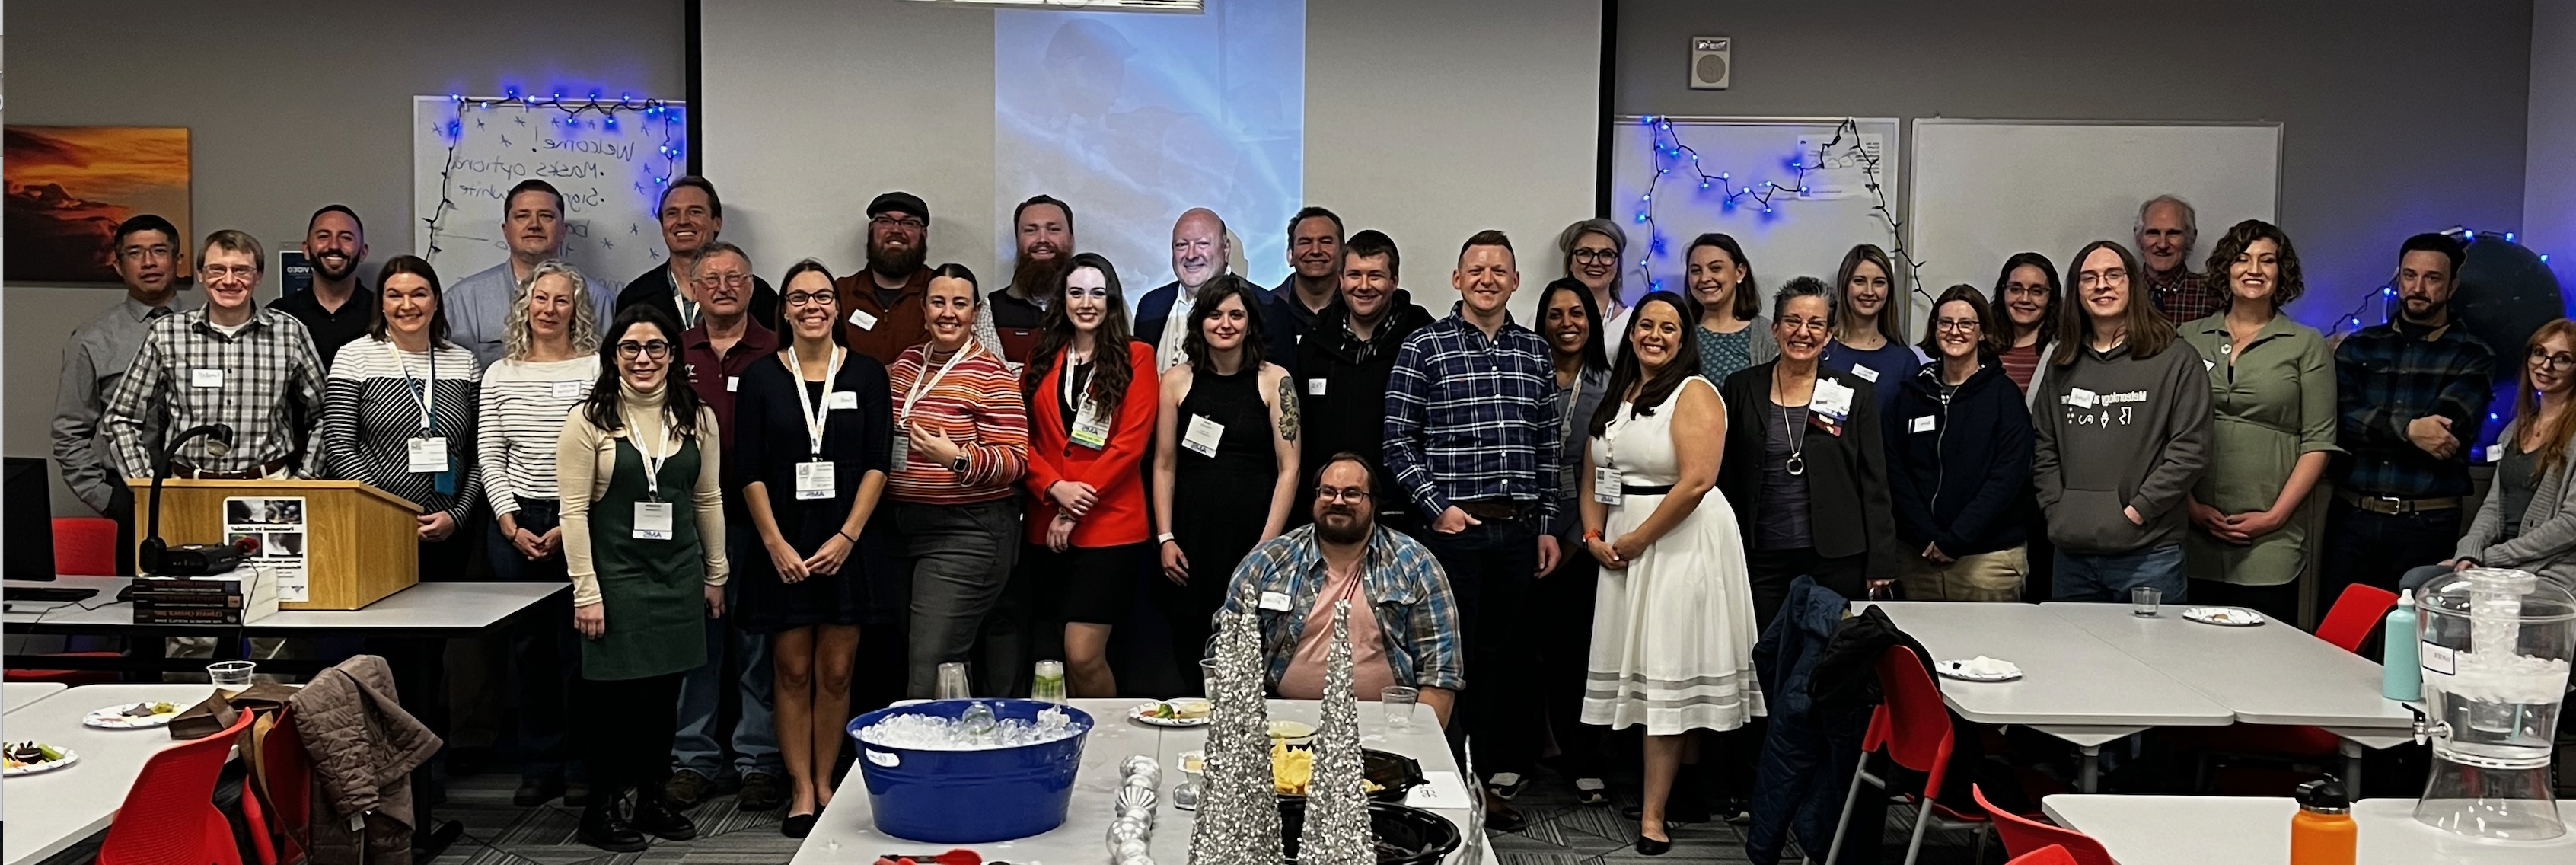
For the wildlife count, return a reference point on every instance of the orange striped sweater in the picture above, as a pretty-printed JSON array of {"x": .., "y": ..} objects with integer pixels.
[{"x": 978, "y": 405}]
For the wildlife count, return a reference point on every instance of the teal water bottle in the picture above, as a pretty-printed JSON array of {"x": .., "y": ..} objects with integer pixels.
[{"x": 2401, "y": 677}]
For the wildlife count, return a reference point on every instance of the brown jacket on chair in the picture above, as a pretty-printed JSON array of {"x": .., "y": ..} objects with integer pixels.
[{"x": 364, "y": 748}]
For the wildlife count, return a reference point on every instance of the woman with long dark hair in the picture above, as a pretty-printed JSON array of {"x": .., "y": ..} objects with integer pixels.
[
  {"x": 2272, "y": 389},
  {"x": 813, "y": 432},
  {"x": 2025, "y": 298},
  {"x": 1089, "y": 386},
  {"x": 2133, "y": 400},
  {"x": 1574, "y": 331},
  {"x": 1867, "y": 342},
  {"x": 398, "y": 413},
  {"x": 1673, "y": 633},
  {"x": 1732, "y": 332},
  {"x": 643, "y": 541},
  {"x": 1225, "y": 434}
]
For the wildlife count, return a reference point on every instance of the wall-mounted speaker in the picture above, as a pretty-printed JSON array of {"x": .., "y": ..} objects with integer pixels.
[{"x": 1712, "y": 62}]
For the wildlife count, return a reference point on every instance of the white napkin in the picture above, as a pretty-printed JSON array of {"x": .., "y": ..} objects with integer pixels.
[
  {"x": 1439, "y": 791},
  {"x": 1985, "y": 668}
]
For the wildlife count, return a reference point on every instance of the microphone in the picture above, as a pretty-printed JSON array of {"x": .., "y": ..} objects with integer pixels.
[{"x": 156, "y": 557}]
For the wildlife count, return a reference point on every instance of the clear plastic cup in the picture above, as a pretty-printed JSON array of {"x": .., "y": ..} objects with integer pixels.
[
  {"x": 231, "y": 675},
  {"x": 2143, "y": 600},
  {"x": 1399, "y": 702},
  {"x": 953, "y": 682},
  {"x": 1047, "y": 682}
]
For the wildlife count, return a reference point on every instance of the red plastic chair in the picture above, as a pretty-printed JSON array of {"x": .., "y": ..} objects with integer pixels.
[
  {"x": 169, "y": 816},
  {"x": 2025, "y": 837},
  {"x": 85, "y": 546},
  {"x": 1914, "y": 728},
  {"x": 277, "y": 795},
  {"x": 2357, "y": 612},
  {"x": 2049, "y": 855}
]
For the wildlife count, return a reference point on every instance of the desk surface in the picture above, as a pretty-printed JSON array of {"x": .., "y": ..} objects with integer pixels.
[
  {"x": 2228, "y": 830},
  {"x": 456, "y": 608},
  {"x": 2069, "y": 677},
  {"x": 19, "y": 695},
  {"x": 847, "y": 834},
  {"x": 48, "y": 811},
  {"x": 2267, "y": 674}
]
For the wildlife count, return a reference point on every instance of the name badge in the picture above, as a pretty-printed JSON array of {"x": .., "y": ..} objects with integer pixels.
[
  {"x": 1314, "y": 387},
  {"x": 1605, "y": 486},
  {"x": 864, "y": 320},
  {"x": 652, "y": 521},
  {"x": 2080, "y": 398},
  {"x": 1274, "y": 601},
  {"x": 1203, "y": 436},
  {"x": 1090, "y": 426},
  {"x": 1923, "y": 424},
  {"x": 1866, "y": 374},
  {"x": 1832, "y": 398},
  {"x": 428, "y": 454},
  {"x": 568, "y": 389},
  {"x": 848, "y": 399},
  {"x": 206, "y": 377},
  {"x": 813, "y": 480},
  {"x": 902, "y": 453},
  {"x": 733, "y": 383}
]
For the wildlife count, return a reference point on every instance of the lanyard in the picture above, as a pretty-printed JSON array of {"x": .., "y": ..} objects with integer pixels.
[
  {"x": 652, "y": 461},
  {"x": 1066, "y": 375},
  {"x": 922, "y": 386},
  {"x": 814, "y": 417},
  {"x": 420, "y": 392}
]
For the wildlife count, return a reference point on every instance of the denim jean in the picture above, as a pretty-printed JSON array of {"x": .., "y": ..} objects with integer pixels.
[
  {"x": 755, "y": 737},
  {"x": 2108, "y": 577},
  {"x": 2377, "y": 549}
]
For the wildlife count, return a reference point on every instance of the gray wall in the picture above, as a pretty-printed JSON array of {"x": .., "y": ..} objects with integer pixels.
[
  {"x": 2549, "y": 186},
  {"x": 290, "y": 105},
  {"x": 2398, "y": 116}
]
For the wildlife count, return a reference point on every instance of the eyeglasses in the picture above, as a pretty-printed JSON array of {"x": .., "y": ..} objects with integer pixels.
[
  {"x": 2553, "y": 361},
  {"x": 883, "y": 221},
  {"x": 808, "y": 298},
  {"x": 2015, "y": 289},
  {"x": 1341, "y": 494},
  {"x": 656, "y": 349},
  {"x": 1794, "y": 325},
  {"x": 146, "y": 253},
  {"x": 1960, "y": 324},
  {"x": 1593, "y": 256},
  {"x": 238, "y": 271},
  {"x": 728, "y": 280}
]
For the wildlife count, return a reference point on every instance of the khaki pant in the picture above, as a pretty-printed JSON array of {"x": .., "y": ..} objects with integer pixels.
[{"x": 1994, "y": 577}]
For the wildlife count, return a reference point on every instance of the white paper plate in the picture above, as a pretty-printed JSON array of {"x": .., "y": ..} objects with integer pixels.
[
  {"x": 1142, "y": 714},
  {"x": 114, "y": 718},
  {"x": 69, "y": 757},
  {"x": 1956, "y": 670},
  {"x": 2234, "y": 617}
]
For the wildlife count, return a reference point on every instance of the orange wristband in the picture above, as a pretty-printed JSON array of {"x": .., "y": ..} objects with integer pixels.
[{"x": 1591, "y": 534}]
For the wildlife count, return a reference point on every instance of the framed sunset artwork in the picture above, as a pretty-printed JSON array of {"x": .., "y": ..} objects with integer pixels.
[{"x": 69, "y": 186}]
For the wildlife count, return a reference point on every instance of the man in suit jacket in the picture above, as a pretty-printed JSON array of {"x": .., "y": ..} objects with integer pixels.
[{"x": 1199, "y": 249}]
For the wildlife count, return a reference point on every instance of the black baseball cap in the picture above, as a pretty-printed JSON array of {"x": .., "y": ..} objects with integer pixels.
[{"x": 900, "y": 202}]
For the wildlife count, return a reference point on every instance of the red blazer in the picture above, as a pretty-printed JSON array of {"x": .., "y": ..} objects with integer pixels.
[{"x": 1116, "y": 470}]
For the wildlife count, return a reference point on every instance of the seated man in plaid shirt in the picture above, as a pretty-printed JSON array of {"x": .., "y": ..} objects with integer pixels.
[{"x": 1404, "y": 622}]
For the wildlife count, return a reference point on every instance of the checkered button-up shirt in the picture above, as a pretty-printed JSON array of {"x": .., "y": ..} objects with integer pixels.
[
  {"x": 260, "y": 381},
  {"x": 2185, "y": 296},
  {"x": 2385, "y": 378},
  {"x": 1469, "y": 417},
  {"x": 1405, "y": 588}
]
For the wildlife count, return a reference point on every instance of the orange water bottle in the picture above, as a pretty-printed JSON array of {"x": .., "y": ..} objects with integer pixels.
[{"x": 2322, "y": 833}]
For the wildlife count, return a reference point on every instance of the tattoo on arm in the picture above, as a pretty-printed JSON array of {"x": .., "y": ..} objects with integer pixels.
[{"x": 1287, "y": 408}]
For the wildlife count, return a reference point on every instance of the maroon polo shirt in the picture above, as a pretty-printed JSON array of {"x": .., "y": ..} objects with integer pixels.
[{"x": 714, "y": 378}]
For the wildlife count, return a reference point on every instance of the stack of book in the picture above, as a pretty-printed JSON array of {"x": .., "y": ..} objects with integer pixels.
[{"x": 238, "y": 597}]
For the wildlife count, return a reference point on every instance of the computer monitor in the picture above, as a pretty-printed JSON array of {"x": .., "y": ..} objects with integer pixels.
[{"x": 26, "y": 519}]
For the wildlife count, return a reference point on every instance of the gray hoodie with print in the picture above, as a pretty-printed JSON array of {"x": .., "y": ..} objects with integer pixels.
[{"x": 2113, "y": 431}]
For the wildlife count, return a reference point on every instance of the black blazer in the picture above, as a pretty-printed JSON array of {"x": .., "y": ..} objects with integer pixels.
[{"x": 1847, "y": 502}]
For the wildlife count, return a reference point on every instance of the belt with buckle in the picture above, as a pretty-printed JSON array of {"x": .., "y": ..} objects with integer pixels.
[
  {"x": 184, "y": 471},
  {"x": 1495, "y": 509},
  {"x": 2395, "y": 505}
]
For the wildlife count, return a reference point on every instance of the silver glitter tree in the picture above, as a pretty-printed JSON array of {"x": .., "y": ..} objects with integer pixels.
[
  {"x": 1238, "y": 817},
  {"x": 1337, "y": 807}
]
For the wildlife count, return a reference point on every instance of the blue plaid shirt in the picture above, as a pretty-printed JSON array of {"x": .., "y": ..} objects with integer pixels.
[
  {"x": 1473, "y": 418},
  {"x": 1405, "y": 588},
  {"x": 2385, "y": 378}
]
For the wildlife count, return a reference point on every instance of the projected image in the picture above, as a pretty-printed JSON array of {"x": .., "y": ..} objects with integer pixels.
[{"x": 1134, "y": 118}]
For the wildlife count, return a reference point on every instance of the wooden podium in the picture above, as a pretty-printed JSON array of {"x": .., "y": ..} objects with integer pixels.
[{"x": 357, "y": 543}]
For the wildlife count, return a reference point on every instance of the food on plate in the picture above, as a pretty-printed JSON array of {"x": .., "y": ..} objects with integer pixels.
[
  {"x": 17, "y": 754},
  {"x": 1291, "y": 730},
  {"x": 1291, "y": 769},
  {"x": 1174, "y": 710},
  {"x": 146, "y": 710}
]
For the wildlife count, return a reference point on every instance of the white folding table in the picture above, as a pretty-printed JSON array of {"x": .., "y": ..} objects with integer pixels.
[
  {"x": 19, "y": 695},
  {"x": 48, "y": 811},
  {"x": 2233, "y": 830},
  {"x": 2074, "y": 686}
]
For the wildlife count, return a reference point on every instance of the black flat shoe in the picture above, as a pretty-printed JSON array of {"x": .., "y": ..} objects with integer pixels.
[
  {"x": 604, "y": 828},
  {"x": 1651, "y": 847},
  {"x": 798, "y": 825},
  {"x": 655, "y": 817}
]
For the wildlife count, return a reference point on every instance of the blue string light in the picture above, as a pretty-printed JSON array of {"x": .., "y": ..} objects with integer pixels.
[
  {"x": 2387, "y": 294},
  {"x": 654, "y": 110},
  {"x": 1761, "y": 194}
]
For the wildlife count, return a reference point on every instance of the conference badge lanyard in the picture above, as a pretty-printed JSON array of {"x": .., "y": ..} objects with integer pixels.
[
  {"x": 922, "y": 387},
  {"x": 1607, "y": 480},
  {"x": 1203, "y": 436},
  {"x": 814, "y": 477},
  {"x": 1090, "y": 424},
  {"x": 426, "y": 453},
  {"x": 653, "y": 515}
]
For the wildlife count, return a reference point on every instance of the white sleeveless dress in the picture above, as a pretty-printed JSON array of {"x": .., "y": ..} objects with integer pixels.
[{"x": 1672, "y": 634}]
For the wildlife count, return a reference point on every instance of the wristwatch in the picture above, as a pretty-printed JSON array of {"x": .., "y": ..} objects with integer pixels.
[{"x": 958, "y": 465}]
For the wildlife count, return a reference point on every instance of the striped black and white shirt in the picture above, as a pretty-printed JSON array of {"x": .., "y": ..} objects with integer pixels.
[
  {"x": 522, "y": 414},
  {"x": 371, "y": 412}
]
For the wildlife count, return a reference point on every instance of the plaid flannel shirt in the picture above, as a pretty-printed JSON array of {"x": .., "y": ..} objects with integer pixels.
[
  {"x": 2385, "y": 378},
  {"x": 1473, "y": 418},
  {"x": 2184, "y": 296},
  {"x": 1405, "y": 587},
  {"x": 262, "y": 381}
]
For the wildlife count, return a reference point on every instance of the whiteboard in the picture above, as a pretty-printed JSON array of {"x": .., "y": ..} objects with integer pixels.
[
  {"x": 1799, "y": 236},
  {"x": 609, "y": 164},
  {"x": 1986, "y": 189}
]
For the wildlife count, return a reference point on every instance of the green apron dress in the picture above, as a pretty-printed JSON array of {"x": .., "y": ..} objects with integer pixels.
[{"x": 653, "y": 592}]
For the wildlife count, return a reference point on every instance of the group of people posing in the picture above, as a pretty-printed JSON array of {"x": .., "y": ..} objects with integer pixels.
[{"x": 1598, "y": 512}]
